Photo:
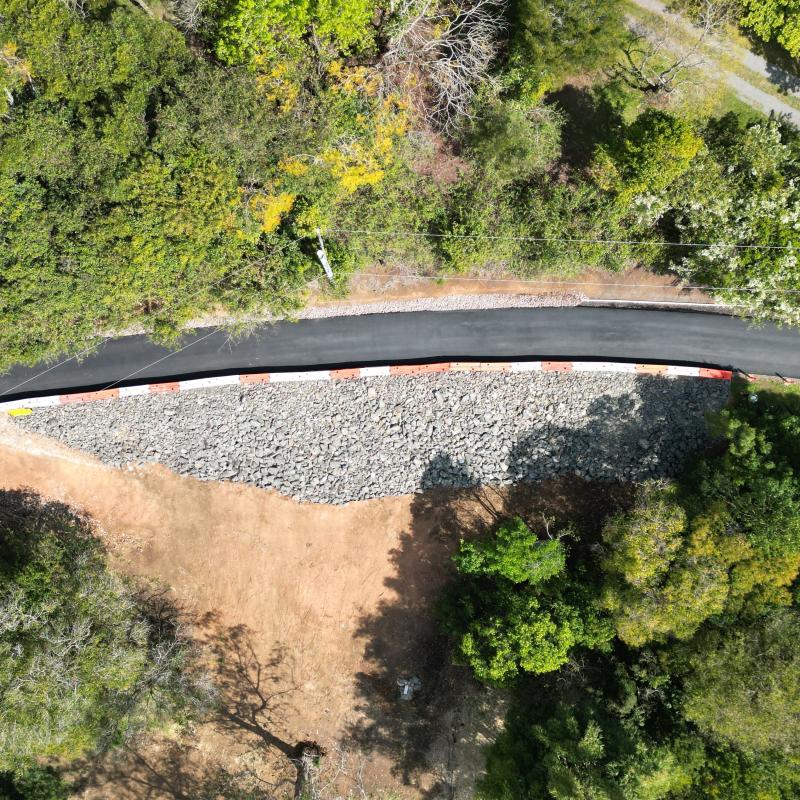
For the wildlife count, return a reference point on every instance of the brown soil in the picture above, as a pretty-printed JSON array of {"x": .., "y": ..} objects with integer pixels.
[
  {"x": 634, "y": 284},
  {"x": 313, "y": 613}
]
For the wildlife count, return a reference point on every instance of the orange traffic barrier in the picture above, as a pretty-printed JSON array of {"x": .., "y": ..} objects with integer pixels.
[
  {"x": 651, "y": 369},
  {"x": 161, "y": 388},
  {"x": 254, "y": 377},
  {"x": 82, "y": 397},
  {"x": 721, "y": 374},
  {"x": 556, "y": 366},
  {"x": 419, "y": 369}
]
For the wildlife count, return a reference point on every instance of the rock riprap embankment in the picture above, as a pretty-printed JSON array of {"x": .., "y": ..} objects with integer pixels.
[{"x": 354, "y": 439}]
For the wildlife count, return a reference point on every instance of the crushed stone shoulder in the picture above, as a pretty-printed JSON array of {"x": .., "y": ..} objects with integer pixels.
[{"x": 335, "y": 442}]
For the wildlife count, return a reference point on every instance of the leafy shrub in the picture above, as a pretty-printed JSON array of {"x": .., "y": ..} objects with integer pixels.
[
  {"x": 552, "y": 39},
  {"x": 746, "y": 191},
  {"x": 654, "y": 150},
  {"x": 743, "y": 687},
  {"x": 506, "y": 612},
  {"x": 514, "y": 141},
  {"x": 83, "y": 662}
]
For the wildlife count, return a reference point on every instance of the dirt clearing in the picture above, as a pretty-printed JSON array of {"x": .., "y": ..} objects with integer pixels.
[{"x": 313, "y": 613}]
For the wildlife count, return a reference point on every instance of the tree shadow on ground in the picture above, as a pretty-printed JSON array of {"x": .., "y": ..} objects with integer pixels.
[
  {"x": 251, "y": 697},
  {"x": 783, "y": 71},
  {"x": 402, "y": 637},
  {"x": 251, "y": 692},
  {"x": 590, "y": 120},
  {"x": 176, "y": 770}
]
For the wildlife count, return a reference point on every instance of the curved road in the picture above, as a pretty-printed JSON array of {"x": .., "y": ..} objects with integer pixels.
[{"x": 511, "y": 334}]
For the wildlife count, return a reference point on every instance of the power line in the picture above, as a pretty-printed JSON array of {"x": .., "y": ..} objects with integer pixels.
[
  {"x": 159, "y": 360},
  {"x": 565, "y": 240},
  {"x": 105, "y": 339},
  {"x": 55, "y": 366},
  {"x": 568, "y": 283}
]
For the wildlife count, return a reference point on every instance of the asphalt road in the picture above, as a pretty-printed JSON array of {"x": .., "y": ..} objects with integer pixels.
[{"x": 554, "y": 333}]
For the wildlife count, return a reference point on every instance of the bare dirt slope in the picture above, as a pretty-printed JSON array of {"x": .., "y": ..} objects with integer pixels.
[
  {"x": 310, "y": 614},
  {"x": 312, "y": 611}
]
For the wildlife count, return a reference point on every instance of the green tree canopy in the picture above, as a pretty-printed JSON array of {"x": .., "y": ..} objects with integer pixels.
[
  {"x": 744, "y": 191},
  {"x": 774, "y": 20},
  {"x": 82, "y": 664},
  {"x": 505, "y": 612},
  {"x": 262, "y": 32},
  {"x": 654, "y": 150},
  {"x": 593, "y": 735},
  {"x": 120, "y": 193},
  {"x": 664, "y": 575},
  {"x": 551, "y": 39},
  {"x": 513, "y": 141},
  {"x": 758, "y": 477},
  {"x": 743, "y": 688}
]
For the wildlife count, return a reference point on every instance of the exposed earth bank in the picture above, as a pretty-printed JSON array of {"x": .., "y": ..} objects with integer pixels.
[
  {"x": 313, "y": 612},
  {"x": 368, "y": 438}
]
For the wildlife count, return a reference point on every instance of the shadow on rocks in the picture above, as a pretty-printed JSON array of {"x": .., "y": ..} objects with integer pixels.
[{"x": 622, "y": 438}]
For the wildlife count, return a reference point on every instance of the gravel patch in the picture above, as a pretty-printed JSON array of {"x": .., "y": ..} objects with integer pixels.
[
  {"x": 345, "y": 440},
  {"x": 450, "y": 302}
]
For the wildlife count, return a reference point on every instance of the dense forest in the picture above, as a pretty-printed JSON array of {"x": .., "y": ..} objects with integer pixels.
[
  {"x": 657, "y": 656},
  {"x": 159, "y": 159}
]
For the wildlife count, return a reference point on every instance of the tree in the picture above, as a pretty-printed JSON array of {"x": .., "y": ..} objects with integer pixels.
[
  {"x": 505, "y": 612},
  {"x": 743, "y": 686},
  {"x": 513, "y": 141},
  {"x": 729, "y": 773},
  {"x": 774, "y": 20},
  {"x": 654, "y": 150},
  {"x": 451, "y": 49},
  {"x": 121, "y": 179},
  {"x": 551, "y": 39},
  {"x": 261, "y": 33},
  {"x": 85, "y": 660},
  {"x": 757, "y": 476},
  {"x": 665, "y": 576},
  {"x": 15, "y": 72},
  {"x": 743, "y": 198},
  {"x": 650, "y": 66},
  {"x": 33, "y": 783},
  {"x": 592, "y": 734}
]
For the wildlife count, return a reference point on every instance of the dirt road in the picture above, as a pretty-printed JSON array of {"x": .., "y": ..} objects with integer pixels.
[{"x": 745, "y": 90}]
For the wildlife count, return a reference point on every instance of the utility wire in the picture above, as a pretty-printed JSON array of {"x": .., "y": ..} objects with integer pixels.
[
  {"x": 55, "y": 366},
  {"x": 639, "y": 242},
  {"x": 159, "y": 360},
  {"x": 105, "y": 339}
]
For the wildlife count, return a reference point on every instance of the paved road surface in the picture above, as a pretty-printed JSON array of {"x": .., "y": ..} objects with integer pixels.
[{"x": 569, "y": 333}]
